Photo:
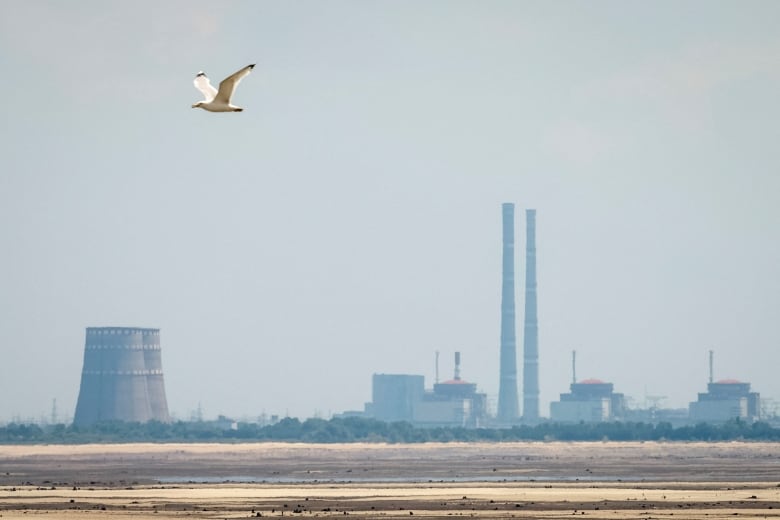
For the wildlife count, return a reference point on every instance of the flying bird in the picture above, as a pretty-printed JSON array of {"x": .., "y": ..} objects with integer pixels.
[{"x": 219, "y": 100}]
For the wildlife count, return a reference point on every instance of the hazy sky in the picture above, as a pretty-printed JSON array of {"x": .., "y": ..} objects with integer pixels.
[{"x": 348, "y": 222}]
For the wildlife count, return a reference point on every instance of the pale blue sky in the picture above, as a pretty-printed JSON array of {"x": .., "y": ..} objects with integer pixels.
[{"x": 349, "y": 220}]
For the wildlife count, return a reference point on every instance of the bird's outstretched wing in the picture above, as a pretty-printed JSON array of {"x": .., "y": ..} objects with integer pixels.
[
  {"x": 203, "y": 84},
  {"x": 228, "y": 85}
]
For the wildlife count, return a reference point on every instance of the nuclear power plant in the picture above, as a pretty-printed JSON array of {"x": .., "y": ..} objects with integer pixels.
[{"x": 122, "y": 377}]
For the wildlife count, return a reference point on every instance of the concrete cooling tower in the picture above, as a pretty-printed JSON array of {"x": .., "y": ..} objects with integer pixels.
[{"x": 122, "y": 378}]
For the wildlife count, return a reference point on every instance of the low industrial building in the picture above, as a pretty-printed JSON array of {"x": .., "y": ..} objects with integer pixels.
[
  {"x": 394, "y": 396},
  {"x": 675, "y": 416},
  {"x": 590, "y": 400}
]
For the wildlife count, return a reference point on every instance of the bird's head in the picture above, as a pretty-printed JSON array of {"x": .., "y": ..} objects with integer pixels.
[{"x": 198, "y": 104}]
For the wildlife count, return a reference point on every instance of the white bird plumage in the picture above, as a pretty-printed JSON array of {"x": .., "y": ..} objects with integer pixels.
[{"x": 219, "y": 100}]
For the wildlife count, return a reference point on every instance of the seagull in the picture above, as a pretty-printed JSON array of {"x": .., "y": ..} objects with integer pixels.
[{"x": 219, "y": 100}]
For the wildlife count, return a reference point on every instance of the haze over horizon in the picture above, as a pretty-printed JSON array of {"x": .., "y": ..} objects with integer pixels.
[{"x": 348, "y": 222}]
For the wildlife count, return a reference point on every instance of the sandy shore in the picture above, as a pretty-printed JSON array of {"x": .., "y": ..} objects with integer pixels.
[{"x": 480, "y": 480}]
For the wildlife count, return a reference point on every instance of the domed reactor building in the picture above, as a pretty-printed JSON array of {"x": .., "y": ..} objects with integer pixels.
[{"x": 122, "y": 378}]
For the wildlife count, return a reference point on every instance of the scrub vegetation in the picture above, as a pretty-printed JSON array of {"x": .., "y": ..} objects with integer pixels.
[{"x": 357, "y": 429}]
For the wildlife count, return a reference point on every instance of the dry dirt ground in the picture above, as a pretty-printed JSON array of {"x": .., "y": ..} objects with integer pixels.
[{"x": 433, "y": 481}]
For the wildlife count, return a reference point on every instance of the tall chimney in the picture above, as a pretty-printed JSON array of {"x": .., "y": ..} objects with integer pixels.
[
  {"x": 457, "y": 366},
  {"x": 531, "y": 331},
  {"x": 711, "y": 375},
  {"x": 574, "y": 367},
  {"x": 437, "y": 366},
  {"x": 507, "y": 389}
]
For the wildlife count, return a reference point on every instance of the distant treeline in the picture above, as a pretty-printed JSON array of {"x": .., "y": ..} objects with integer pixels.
[{"x": 357, "y": 429}]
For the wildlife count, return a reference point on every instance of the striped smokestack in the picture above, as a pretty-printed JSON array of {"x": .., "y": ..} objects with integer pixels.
[
  {"x": 531, "y": 330},
  {"x": 507, "y": 390}
]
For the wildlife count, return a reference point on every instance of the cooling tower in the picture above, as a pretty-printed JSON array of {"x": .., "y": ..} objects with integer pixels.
[
  {"x": 122, "y": 378},
  {"x": 507, "y": 389},
  {"x": 531, "y": 330}
]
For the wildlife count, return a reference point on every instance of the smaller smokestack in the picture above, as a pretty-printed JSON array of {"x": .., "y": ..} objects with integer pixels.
[
  {"x": 457, "y": 366},
  {"x": 437, "y": 367},
  {"x": 711, "y": 363},
  {"x": 574, "y": 367}
]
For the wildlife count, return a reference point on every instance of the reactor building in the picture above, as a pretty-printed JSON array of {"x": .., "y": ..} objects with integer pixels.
[
  {"x": 122, "y": 377},
  {"x": 725, "y": 400},
  {"x": 590, "y": 400},
  {"x": 454, "y": 402},
  {"x": 403, "y": 397}
]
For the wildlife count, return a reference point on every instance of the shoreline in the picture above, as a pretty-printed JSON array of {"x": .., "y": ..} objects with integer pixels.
[
  {"x": 605, "y": 480},
  {"x": 434, "y": 502}
]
